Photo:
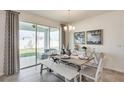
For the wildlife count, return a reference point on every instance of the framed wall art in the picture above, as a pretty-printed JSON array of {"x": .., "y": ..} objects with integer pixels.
[
  {"x": 79, "y": 37},
  {"x": 94, "y": 37}
]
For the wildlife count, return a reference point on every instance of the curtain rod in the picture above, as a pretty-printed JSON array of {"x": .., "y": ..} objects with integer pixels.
[{"x": 13, "y": 11}]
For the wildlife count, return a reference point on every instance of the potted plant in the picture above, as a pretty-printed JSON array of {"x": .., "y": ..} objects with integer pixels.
[{"x": 85, "y": 50}]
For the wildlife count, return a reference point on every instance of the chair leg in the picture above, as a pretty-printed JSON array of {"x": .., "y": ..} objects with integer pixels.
[
  {"x": 80, "y": 78},
  {"x": 76, "y": 79},
  {"x": 41, "y": 69}
]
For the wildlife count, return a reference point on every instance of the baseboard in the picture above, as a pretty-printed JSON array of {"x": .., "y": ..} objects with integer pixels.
[{"x": 114, "y": 70}]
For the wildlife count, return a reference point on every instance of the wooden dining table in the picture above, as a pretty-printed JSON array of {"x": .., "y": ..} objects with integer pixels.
[{"x": 73, "y": 60}]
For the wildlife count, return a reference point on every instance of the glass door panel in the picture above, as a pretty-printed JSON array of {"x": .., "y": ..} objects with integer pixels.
[
  {"x": 42, "y": 42},
  {"x": 27, "y": 35}
]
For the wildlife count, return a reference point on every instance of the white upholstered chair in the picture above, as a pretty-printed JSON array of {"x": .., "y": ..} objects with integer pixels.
[{"x": 93, "y": 73}]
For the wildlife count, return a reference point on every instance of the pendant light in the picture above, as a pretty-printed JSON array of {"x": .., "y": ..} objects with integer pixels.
[{"x": 69, "y": 27}]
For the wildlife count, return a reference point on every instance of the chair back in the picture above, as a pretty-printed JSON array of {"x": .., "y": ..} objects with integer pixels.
[
  {"x": 99, "y": 68},
  {"x": 96, "y": 57}
]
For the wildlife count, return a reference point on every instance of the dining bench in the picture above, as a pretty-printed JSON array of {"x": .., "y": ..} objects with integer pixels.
[{"x": 69, "y": 73}]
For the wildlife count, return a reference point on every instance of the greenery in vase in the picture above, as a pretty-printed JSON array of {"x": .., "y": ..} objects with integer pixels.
[{"x": 85, "y": 48}]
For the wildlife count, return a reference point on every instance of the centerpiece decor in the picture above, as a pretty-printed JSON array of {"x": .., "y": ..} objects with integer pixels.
[{"x": 85, "y": 51}]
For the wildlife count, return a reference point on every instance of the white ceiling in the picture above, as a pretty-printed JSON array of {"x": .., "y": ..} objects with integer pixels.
[{"x": 62, "y": 16}]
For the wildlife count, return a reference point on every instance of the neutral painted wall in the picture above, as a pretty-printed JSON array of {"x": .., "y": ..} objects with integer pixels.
[
  {"x": 2, "y": 30},
  {"x": 113, "y": 35}
]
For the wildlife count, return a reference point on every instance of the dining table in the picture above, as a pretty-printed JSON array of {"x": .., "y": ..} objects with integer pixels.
[{"x": 72, "y": 60}]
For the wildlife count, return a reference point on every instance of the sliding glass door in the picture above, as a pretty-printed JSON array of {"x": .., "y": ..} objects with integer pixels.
[
  {"x": 42, "y": 42},
  {"x": 35, "y": 42},
  {"x": 27, "y": 46}
]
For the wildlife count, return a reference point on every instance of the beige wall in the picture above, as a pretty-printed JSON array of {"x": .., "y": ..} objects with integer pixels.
[
  {"x": 113, "y": 45},
  {"x": 2, "y": 30}
]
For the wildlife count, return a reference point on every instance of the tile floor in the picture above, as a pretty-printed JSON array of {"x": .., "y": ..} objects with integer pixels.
[{"x": 33, "y": 75}]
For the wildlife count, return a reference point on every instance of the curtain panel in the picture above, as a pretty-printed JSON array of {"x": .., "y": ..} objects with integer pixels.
[
  {"x": 11, "y": 57},
  {"x": 63, "y": 38}
]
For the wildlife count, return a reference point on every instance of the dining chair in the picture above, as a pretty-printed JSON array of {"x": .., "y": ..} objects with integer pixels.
[
  {"x": 93, "y": 73},
  {"x": 95, "y": 61}
]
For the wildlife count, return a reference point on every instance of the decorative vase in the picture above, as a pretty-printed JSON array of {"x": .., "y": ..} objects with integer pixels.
[
  {"x": 68, "y": 52},
  {"x": 63, "y": 51},
  {"x": 85, "y": 51}
]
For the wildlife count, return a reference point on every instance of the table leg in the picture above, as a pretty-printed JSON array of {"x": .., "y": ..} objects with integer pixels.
[
  {"x": 80, "y": 78},
  {"x": 41, "y": 69}
]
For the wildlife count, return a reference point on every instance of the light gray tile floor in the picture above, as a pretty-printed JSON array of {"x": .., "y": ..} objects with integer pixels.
[{"x": 33, "y": 75}]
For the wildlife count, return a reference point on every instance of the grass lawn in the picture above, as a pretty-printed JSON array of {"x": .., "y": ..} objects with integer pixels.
[{"x": 28, "y": 52}]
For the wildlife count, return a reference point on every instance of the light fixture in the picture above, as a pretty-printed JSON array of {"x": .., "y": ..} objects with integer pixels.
[{"x": 69, "y": 27}]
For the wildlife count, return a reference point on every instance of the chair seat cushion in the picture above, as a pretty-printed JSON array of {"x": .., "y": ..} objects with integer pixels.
[{"x": 88, "y": 72}]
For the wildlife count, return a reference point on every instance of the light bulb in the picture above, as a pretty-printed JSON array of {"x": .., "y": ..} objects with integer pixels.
[
  {"x": 65, "y": 28},
  {"x": 73, "y": 27},
  {"x": 70, "y": 27}
]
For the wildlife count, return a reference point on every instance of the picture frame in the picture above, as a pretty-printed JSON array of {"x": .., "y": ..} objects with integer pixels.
[
  {"x": 94, "y": 37},
  {"x": 79, "y": 37}
]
